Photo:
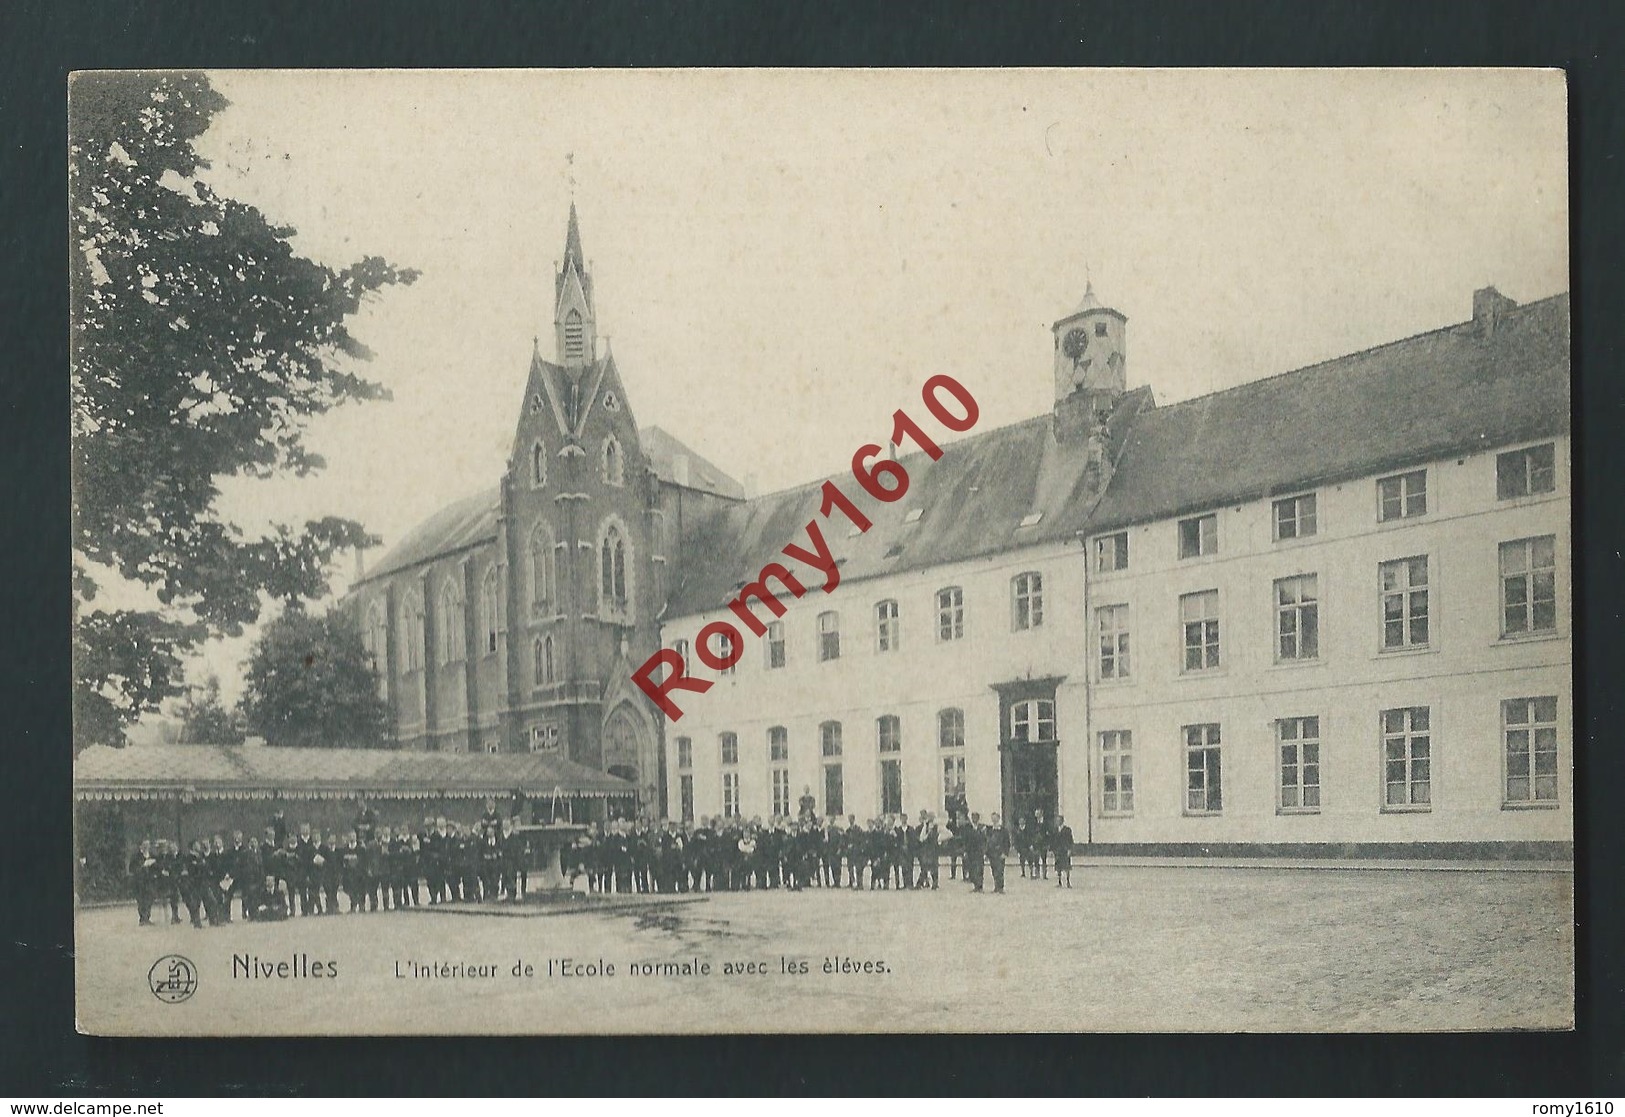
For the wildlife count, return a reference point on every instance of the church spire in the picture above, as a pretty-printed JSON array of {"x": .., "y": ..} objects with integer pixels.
[{"x": 574, "y": 323}]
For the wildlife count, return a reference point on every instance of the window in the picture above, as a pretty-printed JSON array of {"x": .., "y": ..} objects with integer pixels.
[
  {"x": 781, "y": 791},
  {"x": 953, "y": 776},
  {"x": 1199, "y": 620},
  {"x": 1404, "y": 603},
  {"x": 1111, "y": 553},
  {"x": 721, "y": 648},
  {"x": 1199, "y": 535},
  {"x": 452, "y": 637},
  {"x": 544, "y": 738},
  {"x": 490, "y": 611},
  {"x": 891, "y": 786},
  {"x": 1204, "y": 790},
  {"x": 729, "y": 743},
  {"x": 1402, "y": 496},
  {"x": 541, "y": 568},
  {"x": 612, "y": 571},
  {"x": 951, "y": 728},
  {"x": 778, "y": 745},
  {"x": 614, "y": 462},
  {"x": 412, "y": 628},
  {"x": 1530, "y": 731},
  {"x": 889, "y": 733},
  {"x": 1295, "y": 517},
  {"x": 1116, "y": 772},
  {"x": 1297, "y": 742},
  {"x": 1407, "y": 756},
  {"x": 730, "y": 795},
  {"x": 544, "y": 669},
  {"x": 1111, "y": 621},
  {"x": 681, "y": 648},
  {"x": 1033, "y": 720},
  {"x": 1529, "y": 586},
  {"x": 375, "y": 638},
  {"x": 538, "y": 465},
  {"x": 829, "y": 738},
  {"x": 888, "y": 628},
  {"x": 1525, "y": 472},
  {"x": 1027, "y": 601},
  {"x": 950, "y": 613},
  {"x": 575, "y": 338},
  {"x": 685, "y": 796},
  {"x": 685, "y": 752},
  {"x": 834, "y": 790},
  {"x": 1297, "y": 618},
  {"x": 775, "y": 645},
  {"x": 829, "y": 636}
]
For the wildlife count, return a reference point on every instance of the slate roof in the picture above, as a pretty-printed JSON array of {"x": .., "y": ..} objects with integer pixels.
[
  {"x": 457, "y": 526},
  {"x": 227, "y": 771},
  {"x": 971, "y": 502},
  {"x": 662, "y": 449},
  {"x": 1447, "y": 392}
]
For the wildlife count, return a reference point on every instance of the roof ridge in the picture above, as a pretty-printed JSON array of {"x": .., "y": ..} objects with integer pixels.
[{"x": 1518, "y": 311}]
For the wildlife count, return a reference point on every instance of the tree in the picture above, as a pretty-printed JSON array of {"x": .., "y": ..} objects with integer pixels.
[
  {"x": 312, "y": 684},
  {"x": 201, "y": 347},
  {"x": 206, "y": 721}
]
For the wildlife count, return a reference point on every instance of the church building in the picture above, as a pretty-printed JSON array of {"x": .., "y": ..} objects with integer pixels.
[{"x": 1325, "y": 609}]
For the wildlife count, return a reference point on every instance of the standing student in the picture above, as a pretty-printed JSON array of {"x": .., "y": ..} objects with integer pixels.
[
  {"x": 927, "y": 847},
  {"x": 143, "y": 873},
  {"x": 1063, "y": 851},
  {"x": 997, "y": 842}
]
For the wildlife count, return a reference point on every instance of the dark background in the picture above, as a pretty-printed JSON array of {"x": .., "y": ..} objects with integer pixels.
[{"x": 42, "y": 1057}]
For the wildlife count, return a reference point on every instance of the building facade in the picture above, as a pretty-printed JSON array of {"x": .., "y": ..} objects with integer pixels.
[{"x": 1325, "y": 608}]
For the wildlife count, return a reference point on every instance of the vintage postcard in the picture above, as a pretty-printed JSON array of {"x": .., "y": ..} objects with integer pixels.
[{"x": 697, "y": 551}]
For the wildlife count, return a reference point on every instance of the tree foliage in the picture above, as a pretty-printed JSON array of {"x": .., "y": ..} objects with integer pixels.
[
  {"x": 202, "y": 345},
  {"x": 312, "y": 684},
  {"x": 206, "y": 721}
]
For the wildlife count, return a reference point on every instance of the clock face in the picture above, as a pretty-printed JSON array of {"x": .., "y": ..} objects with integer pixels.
[{"x": 1075, "y": 344}]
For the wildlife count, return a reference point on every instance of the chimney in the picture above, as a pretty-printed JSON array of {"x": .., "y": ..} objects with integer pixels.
[
  {"x": 1489, "y": 306},
  {"x": 360, "y": 563}
]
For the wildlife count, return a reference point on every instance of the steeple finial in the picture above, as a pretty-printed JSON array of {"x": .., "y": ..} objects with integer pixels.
[{"x": 572, "y": 243}]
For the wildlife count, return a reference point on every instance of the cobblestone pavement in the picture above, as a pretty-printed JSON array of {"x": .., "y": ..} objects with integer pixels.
[{"x": 1128, "y": 948}]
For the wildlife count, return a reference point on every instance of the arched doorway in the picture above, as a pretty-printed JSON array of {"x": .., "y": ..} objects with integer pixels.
[{"x": 626, "y": 743}]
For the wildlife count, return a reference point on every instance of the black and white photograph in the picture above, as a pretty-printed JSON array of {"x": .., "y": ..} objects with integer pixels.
[{"x": 821, "y": 551}]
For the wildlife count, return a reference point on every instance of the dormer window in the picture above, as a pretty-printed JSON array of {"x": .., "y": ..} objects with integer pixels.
[
  {"x": 611, "y": 402},
  {"x": 1100, "y": 329}
]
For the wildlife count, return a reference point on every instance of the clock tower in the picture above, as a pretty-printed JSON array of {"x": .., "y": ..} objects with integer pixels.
[{"x": 1090, "y": 353}]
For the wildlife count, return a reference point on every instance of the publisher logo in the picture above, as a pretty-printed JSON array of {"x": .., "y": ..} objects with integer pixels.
[{"x": 172, "y": 979}]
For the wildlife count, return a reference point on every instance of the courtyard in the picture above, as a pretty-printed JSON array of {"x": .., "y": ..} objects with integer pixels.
[{"x": 1130, "y": 947}]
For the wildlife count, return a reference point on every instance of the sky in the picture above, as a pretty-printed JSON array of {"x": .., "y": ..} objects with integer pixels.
[{"x": 781, "y": 258}]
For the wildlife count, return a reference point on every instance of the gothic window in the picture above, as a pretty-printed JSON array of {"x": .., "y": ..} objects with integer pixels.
[
  {"x": 451, "y": 621},
  {"x": 490, "y": 611},
  {"x": 411, "y": 628},
  {"x": 614, "y": 462},
  {"x": 544, "y": 668},
  {"x": 541, "y": 568},
  {"x": 376, "y": 638},
  {"x": 538, "y": 465},
  {"x": 612, "y": 563}
]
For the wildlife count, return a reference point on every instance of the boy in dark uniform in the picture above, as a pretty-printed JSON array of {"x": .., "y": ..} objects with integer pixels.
[
  {"x": 168, "y": 875},
  {"x": 143, "y": 870},
  {"x": 1063, "y": 851},
  {"x": 352, "y": 860},
  {"x": 969, "y": 833},
  {"x": 278, "y": 828},
  {"x": 853, "y": 843},
  {"x": 330, "y": 872},
  {"x": 490, "y": 860},
  {"x": 491, "y": 820},
  {"x": 366, "y": 821},
  {"x": 265, "y": 902},
  {"x": 309, "y": 887},
  {"x": 243, "y": 873},
  {"x": 220, "y": 865},
  {"x": 807, "y": 806},
  {"x": 998, "y": 848},
  {"x": 383, "y": 883},
  {"x": 189, "y": 876},
  {"x": 284, "y": 865}
]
